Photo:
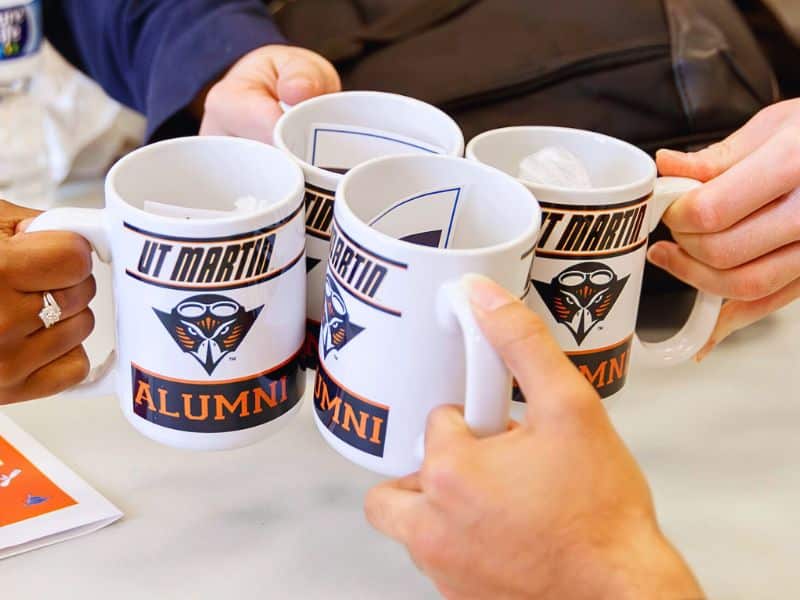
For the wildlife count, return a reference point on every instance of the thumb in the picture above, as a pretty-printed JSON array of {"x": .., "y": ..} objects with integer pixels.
[
  {"x": 305, "y": 76},
  {"x": 553, "y": 387},
  {"x": 446, "y": 429}
]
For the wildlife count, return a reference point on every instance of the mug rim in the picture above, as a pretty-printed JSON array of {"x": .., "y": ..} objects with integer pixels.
[
  {"x": 284, "y": 204},
  {"x": 281, "y": 125},
  {"x": 639, "y": 184},
  {"x": 529, "y": 233}
]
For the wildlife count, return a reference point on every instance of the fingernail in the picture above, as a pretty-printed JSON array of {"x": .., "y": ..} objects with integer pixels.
[
  {"x": 658, "y": 256},
  {"x": 485, "y": 293}
]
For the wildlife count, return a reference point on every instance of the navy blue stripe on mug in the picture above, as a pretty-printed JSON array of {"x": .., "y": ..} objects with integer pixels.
[
  {"x": 356, "y": 421},
  {"x": 217, "y": 406}
]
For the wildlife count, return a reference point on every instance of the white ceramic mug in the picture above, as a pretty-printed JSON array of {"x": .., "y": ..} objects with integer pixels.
[
  {"x": 330, "y": 134},
  {"x": 209, "y": 302},
  {"x": 590, "y": 257},
  {"x": 398, "y": 336}
]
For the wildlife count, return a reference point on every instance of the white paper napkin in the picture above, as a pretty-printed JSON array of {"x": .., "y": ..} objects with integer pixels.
[{"x": 42, "y": 501}]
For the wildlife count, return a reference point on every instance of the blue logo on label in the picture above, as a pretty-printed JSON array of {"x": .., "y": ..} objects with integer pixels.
[
  {"x": 34, "y": 500},
  {"x": 20, "y": 30},
  {"x": 336, "y": 330}
]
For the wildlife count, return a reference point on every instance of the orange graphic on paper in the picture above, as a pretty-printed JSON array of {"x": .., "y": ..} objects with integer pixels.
[{"x": 25, "y": 492}]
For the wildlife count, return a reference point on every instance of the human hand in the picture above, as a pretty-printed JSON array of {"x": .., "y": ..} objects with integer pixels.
[
  {"x": 245, "y": 102},
  {"x": 554, "y": 508},
  {"x": 34, "y": 361},
  {"x": 738, "y": 236}
]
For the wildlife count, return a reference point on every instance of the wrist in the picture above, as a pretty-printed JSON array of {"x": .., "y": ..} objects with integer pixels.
[
  {"x": 649, "y": 566},
  {"x": 638, "y": 562}
]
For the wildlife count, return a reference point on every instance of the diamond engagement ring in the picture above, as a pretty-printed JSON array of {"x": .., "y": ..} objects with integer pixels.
[{"x": 51, "y": 311}]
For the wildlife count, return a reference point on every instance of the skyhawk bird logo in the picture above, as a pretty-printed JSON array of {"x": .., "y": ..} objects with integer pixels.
[
  {"x": 209, "y": 327},
  {"x": 336, "y": 330},
  {"x": 311, "y": 263},
  {"x": 581, "y": 296}
]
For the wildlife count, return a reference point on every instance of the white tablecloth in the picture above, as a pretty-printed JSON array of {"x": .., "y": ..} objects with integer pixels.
[{"x": 719, "y": 442}]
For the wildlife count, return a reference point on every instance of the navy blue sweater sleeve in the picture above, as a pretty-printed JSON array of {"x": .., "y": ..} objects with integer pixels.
[{"x": 155, "y": 56}]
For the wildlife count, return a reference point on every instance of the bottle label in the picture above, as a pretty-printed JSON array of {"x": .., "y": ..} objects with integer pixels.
[{"x": 20, "y": 30}]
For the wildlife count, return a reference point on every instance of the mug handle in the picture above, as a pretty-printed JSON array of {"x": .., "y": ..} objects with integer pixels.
[
  {"x": 705, "y": 312},
  {"x": 91, "y": 224},
  {"x": 487, "y": 401}
]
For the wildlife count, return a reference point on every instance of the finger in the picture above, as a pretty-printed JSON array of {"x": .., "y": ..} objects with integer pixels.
[
  {"x": 47, "y": 260},
  {"x": 738, "y": 314},
  {"x": 211, "y": 126},
  {"x": 770, "y": 172},
  {"x": 768, "y": 229},
  {"x": 448, "y": 592},
  {"x": 393, "y": 511},
  {"x": 410, "y": 483},
  {"x": 717, "y": 158},
  {"x": 72, "y": 301},
  {"x": 755, "y": 280},
  {"x": 552, "y": 386},
  {"x": 61, "y": 374},
  {"x": 240, "y": 111},
  {"x": 11, "y": 216},
  {"x": 303, "y": 77},
  {"x": 46, "y": 345},
  {"x": 446, "y": 430},
  {"x": 22, "y": 226}
]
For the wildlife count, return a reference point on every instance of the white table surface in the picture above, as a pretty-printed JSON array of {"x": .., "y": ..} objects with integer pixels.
[{"x": 720, "y": 444}]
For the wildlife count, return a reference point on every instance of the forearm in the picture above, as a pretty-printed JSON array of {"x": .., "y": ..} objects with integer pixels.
[
  {"x": 157, "y": 56},
  {"x": 663, "y": 575}
]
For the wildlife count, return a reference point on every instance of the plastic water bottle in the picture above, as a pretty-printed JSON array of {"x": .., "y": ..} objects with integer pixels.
[{"x": 24, "y": 165}]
